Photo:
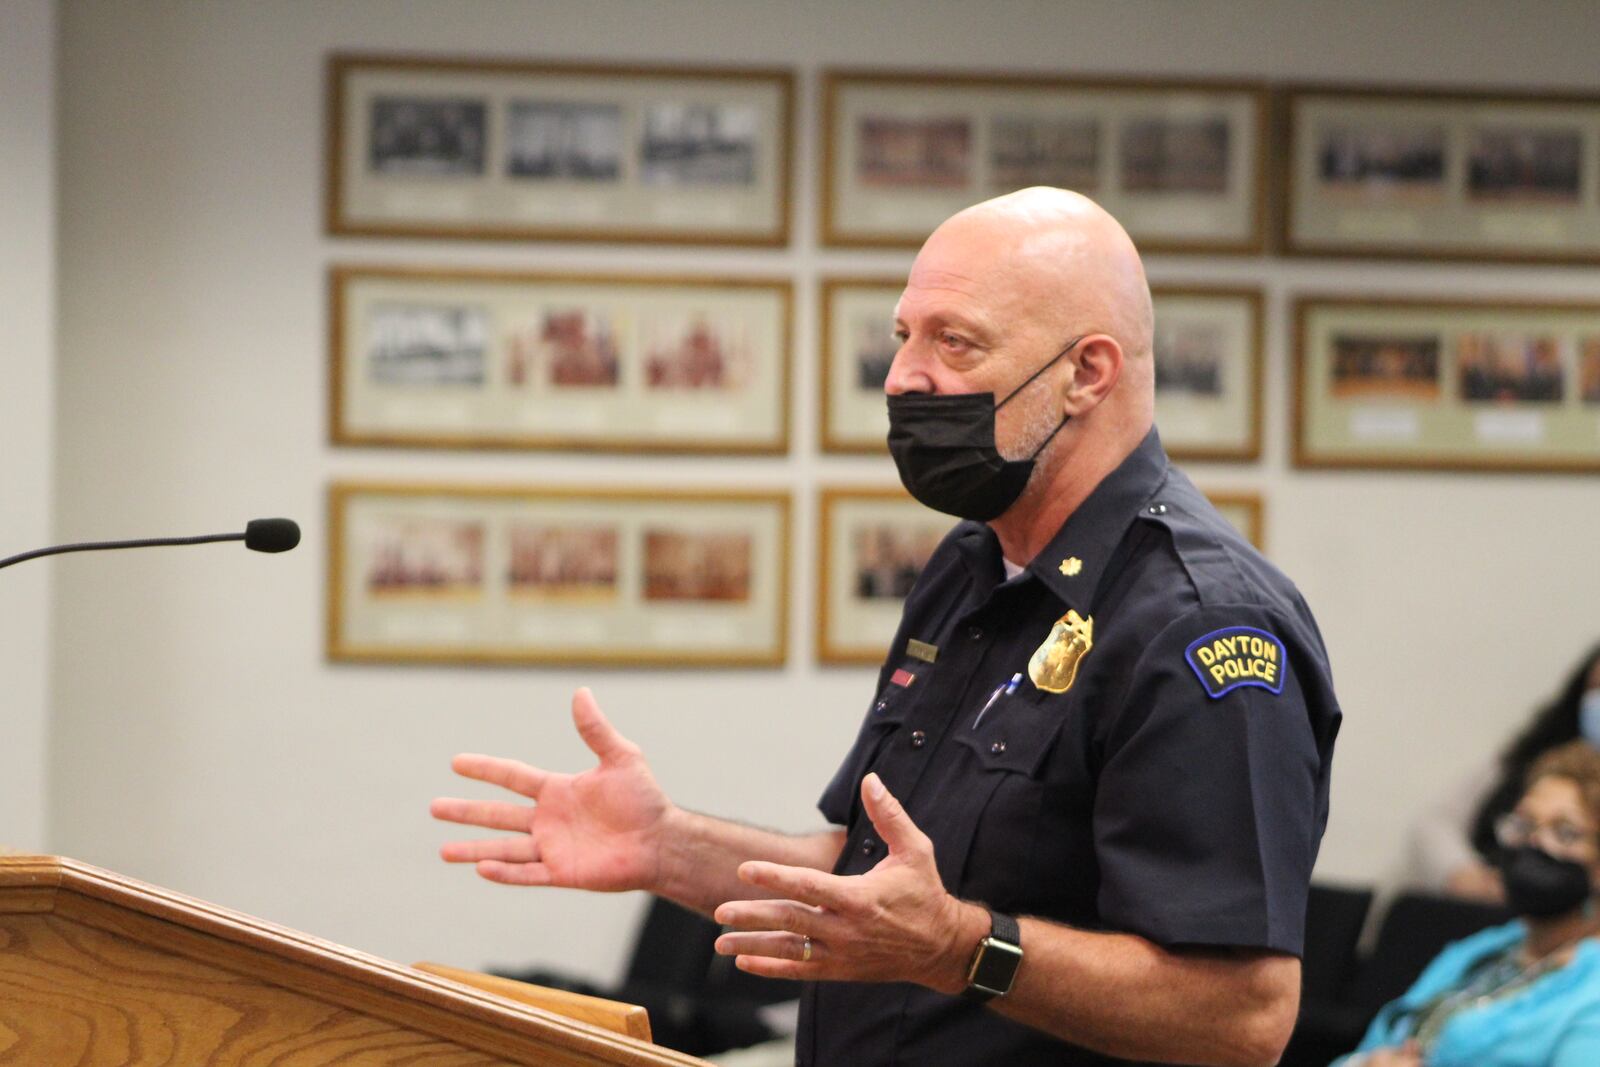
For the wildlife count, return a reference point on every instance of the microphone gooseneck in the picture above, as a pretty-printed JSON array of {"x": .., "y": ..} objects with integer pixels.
[{"x": 262, "y": 535}]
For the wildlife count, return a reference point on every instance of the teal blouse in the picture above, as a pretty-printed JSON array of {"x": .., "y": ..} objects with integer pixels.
[{"x": 1554, "y": 1022}]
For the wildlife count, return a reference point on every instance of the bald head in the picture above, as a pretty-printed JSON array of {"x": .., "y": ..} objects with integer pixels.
[
  {"x": 1039, "y": 299},
  {"x": 1025, "y": 273},
  {"x": 1064, "y": 251}
]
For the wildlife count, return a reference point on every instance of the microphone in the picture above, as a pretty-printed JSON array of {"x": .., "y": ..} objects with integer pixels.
[
  {"x": 260, "y": 535},
  {"x": 271, "y": 535}
]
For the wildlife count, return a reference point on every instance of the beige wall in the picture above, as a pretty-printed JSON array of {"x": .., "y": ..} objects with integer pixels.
[
  {"x": 202, "y": 742},
  {"x": 27, "y": 408}
]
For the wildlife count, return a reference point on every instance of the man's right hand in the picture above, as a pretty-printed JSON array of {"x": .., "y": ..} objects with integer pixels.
[{"x": 601, "y": 829}]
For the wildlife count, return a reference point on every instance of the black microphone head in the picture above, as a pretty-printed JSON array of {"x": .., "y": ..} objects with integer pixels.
[{"x": 271, "y": 535}]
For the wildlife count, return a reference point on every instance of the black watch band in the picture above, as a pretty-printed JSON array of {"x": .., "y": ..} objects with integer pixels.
[{"x": 995, "y": 963}]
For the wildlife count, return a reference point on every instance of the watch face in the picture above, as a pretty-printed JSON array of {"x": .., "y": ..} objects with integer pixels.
[{"x": 996, "y": 965}]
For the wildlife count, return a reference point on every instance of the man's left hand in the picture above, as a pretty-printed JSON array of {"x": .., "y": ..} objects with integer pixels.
[{"x": 895, "y": 923}]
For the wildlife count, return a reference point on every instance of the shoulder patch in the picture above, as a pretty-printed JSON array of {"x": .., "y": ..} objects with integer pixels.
[{"x": 1237, "y": 656}]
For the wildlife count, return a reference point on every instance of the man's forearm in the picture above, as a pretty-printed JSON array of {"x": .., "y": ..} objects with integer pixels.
[
  {"x": 1128, "y": 997},
  {"x": 700, "y": 857}
]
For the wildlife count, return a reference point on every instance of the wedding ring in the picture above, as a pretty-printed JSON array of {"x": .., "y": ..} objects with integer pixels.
[{"x": 805, "y": 951}]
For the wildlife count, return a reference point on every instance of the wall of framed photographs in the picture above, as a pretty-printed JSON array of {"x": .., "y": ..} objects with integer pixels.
[{"x": 194, "y": 389}]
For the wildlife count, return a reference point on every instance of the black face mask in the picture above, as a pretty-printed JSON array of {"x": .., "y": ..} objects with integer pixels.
[
  {"x": 1540, "y": 885},
  {"x": 944, "y": 447}
]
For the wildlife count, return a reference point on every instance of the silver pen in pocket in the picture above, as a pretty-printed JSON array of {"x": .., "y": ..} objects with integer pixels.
[{"x": 1004, "y": 689}]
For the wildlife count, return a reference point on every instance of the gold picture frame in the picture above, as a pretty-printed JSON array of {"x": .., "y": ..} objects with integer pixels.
[
  {"x": 480, "y": 149},
  {"x": 452, "y": 358},
  {"x": 1387, "y": 382},
  {"x": 1407, "y": 173},
  {"x": 1181, "y": 163},
  {"x": 557, "y": 576}
]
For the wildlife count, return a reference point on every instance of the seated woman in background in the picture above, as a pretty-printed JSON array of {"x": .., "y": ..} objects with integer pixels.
[
  {"x": 1526, "y": 994},
  {"x": 1453, "y": 841}
]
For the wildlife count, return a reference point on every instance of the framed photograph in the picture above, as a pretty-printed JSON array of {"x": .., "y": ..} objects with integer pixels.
[
  {"x": 1180, "y": 164},
  {"x": 465, "y": 148},
  {"x": 1401, "y": 173},
  {"x": 619, "y": 577},
  {"x": 1474, "y": 385},
  {"x": 1207, "y": 352},
  {"x": 485, "y": 359},
  {"x": 874, "y": 543},
  {"x": 1244, "y": 510}
]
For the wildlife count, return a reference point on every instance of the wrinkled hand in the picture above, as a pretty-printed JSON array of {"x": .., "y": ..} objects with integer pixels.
[
  {"x": 894, "y": 923},
  {"x": 597, "y": 830}
]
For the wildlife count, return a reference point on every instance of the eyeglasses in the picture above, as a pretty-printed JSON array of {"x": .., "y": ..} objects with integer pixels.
[{"x": 1559, "y": 837}]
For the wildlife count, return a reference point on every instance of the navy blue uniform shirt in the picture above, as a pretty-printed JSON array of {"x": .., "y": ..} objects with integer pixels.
[{"x": 1176, "y": 787}]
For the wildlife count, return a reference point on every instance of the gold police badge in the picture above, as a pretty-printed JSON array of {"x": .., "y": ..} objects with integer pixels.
[{"x": 1054, "y": 666}]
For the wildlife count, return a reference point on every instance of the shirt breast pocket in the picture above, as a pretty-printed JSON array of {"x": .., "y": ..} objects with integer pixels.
[
  {"x": 890, "y": 709},
  {"x": 1010, "y": 801},
  {"x": 841, "y": 801}
]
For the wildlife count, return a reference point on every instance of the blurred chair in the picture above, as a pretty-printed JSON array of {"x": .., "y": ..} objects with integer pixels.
[
  {"x": 1335, "y": 917},
  {"x": 1415, "y": 928}
]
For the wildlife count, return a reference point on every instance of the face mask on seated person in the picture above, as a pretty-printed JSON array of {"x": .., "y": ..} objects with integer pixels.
[
  {"x": 1589, "y": 717},
  {"x": 1541, "y": 886},
  {"x": 944, "y": 447}
]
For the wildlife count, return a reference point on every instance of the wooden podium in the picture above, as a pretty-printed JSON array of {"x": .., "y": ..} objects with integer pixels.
[{"x": 97, "y": 970}]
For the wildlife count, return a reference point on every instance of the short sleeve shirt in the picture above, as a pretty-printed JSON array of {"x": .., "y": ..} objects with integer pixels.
[{"x": 1134, "y": 734}]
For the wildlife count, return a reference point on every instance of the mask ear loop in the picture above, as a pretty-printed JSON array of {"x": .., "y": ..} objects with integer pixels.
[
  {"x": 1053, "y": 361},
  {"x": 1064, "y": 418}
]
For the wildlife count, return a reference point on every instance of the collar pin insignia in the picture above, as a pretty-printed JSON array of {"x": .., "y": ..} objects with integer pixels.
[{"x": 1070, "y": 567}]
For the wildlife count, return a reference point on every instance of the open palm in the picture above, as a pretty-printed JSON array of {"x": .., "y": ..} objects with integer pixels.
[{"x": 599, "y": 829}]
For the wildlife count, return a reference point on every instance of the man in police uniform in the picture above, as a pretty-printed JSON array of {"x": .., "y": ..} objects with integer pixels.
[{"x": 1080, "y": 819}]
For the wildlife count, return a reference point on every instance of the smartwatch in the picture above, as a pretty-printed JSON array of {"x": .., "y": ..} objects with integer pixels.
[{"x": 994, "y": 965}]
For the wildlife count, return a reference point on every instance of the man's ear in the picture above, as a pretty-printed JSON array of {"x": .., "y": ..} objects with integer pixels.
[{"x": 1097, "y": 367}]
